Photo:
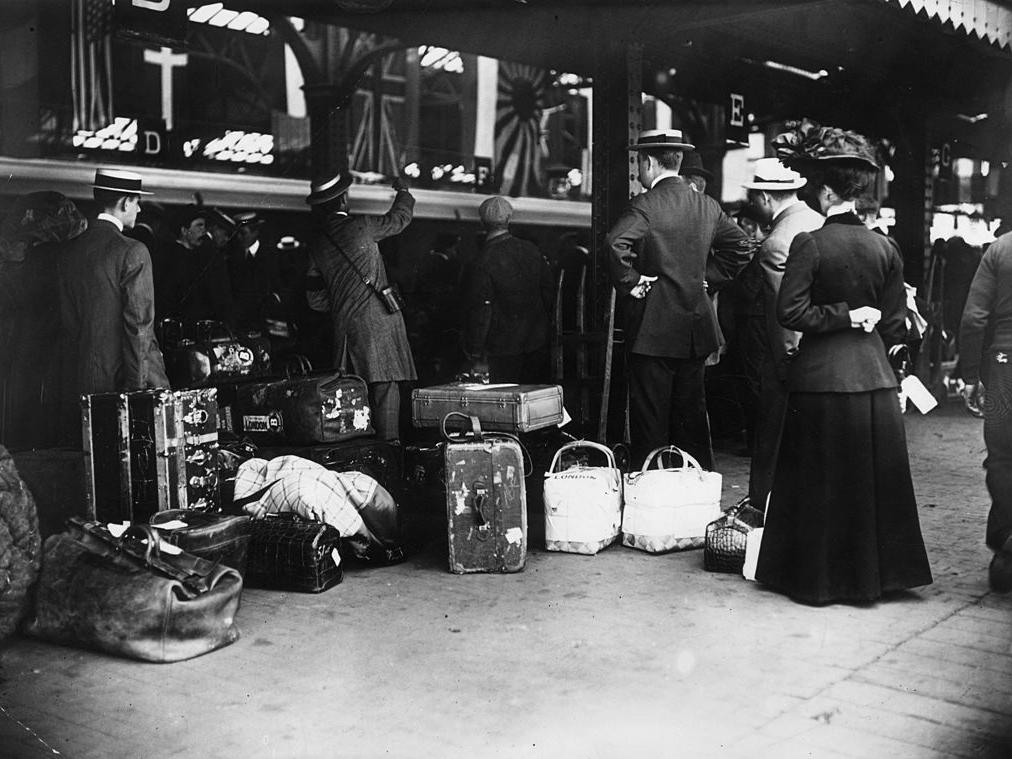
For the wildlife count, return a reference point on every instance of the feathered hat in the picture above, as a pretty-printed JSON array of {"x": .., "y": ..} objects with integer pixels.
[{"x": 806, "y": 143}]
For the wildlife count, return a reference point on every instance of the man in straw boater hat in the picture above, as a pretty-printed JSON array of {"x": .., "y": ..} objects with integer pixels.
[
  {"x": 107, "y": 299},
  {"x": 773, "y": 194},
  {"x": 668, "y": 248},
  {"x": 365, "y": 309}
]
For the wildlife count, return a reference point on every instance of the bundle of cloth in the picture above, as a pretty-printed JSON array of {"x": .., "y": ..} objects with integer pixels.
[{"x": 354, "y": 503}]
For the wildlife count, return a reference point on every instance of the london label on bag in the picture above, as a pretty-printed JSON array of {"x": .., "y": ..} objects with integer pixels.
[{"x": 273, "y": 422}]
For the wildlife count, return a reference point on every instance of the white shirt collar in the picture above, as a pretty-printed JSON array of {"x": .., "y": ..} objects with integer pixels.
[
  {"x": 110, "y": 218},
  {"x": 252, "y": 249},
  {"x": 847, "y": 206},
  {"x": 663, "y": 175}
]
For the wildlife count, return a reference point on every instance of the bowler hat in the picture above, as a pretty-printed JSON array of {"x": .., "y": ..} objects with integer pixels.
[
  {"x": 771, "y": 174},
  {"x": 670, "y": 139},
  {"x": 692, "y": 166},
  {"x": 125, "y": 182},
  {"x": 495, "y": 211},
  {"x": 323, "y": 190}
]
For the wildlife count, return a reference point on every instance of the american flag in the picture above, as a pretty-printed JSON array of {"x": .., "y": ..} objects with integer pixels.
[{"x": 91, "y": 68}]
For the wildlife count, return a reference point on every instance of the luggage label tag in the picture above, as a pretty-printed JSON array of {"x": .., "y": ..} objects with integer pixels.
[{"x": 272, "y": 423}]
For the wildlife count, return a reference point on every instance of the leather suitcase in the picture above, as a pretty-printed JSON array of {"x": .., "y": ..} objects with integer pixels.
[
  {"x": 503, "y": 408},
  {"x": 221, "y": 538},
  {"x": 211, "y": 353},
  {"x": 486, "y": 502},
  {"x": 306, "y": 410},
  {"x": 383, "y": 460},
  {"x": 148, "y": 451}
]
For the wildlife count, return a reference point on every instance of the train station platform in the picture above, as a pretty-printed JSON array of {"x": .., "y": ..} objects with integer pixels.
[{"x": 616, "y": 655}]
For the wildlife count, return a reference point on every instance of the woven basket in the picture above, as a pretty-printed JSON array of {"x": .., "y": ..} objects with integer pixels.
[{"x": 724, "y": 550}]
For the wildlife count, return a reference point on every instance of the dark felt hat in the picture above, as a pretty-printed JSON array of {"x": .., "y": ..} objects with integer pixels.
[
  {"x": 323, "y": 190},
  {"x": 248, "y": 218},
  {"x": 692, "y": 166}
]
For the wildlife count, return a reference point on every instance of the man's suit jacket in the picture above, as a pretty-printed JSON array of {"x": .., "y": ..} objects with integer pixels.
[
  {"x": 836, "y": 268},
  {"x": 791, "y": 221},
  {"x": 684, "y": 239},
  {"x": 107, "y": 313},
  {"x": 256, "y": 284}
]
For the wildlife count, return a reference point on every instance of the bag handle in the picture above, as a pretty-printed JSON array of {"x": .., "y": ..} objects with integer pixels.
[
  {"x": 688, "y": 460},
  {"x": 298, "y": 365},
  {"x": 472, "y": 420},
  {"x": 582, "y": 444},
  {"x": 144, "y": 532},
  {"x": 206, "y": 330}
]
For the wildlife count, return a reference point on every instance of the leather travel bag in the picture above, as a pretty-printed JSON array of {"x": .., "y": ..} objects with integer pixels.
[
  {"x": 323, "y": 407},
  {"x": 213, "y": 353},
  {"x": 217, "y": 537},
  {"x": 287, "y": 552},
  {"x": 131, "y": 597}
]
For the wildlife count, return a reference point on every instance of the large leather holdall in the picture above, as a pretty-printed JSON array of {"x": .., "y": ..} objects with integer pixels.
[
  {"x": 132, "y": 596},
  {"x": 221, "y": 538},
  {"x": 501, "y": 408},
  {"x": 147, "y": 451},
  {"x": 208, "y": 352},
  {"x": 486, "y": 501},
  {"x": 583, "y": 503},
  {"x": 325, "y": 407}
]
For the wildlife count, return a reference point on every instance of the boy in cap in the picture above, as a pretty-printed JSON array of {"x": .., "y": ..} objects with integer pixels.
[
  {"x": 368, "y": 325},
  {"x": 507, "y": 301},
  {"x": 669, "y": 247},
  {"x": 107, "y": 301}
]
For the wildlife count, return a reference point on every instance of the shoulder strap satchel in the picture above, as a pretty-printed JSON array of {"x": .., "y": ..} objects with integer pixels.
[{"x": 365, "y": 280}]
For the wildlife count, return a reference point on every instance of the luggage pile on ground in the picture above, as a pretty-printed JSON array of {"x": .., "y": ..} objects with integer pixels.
[{"x": 276, "y": 483}]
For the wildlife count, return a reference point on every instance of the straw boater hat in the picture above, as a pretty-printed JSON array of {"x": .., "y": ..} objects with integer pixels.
[
  {"x": 323, "y": 190},
  {"x": 288, "y": 243},
  {"x": 670, "y": 139},
  {"x": 771, "y": 174},
  {"x": 125, "y": 182}
]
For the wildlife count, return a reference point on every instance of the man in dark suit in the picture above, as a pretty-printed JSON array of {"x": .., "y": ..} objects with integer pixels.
[
  {"x": 254, "y": 273},
  {"x": 668, "y": 248},
  {"x": 508, "y": 301},
  {"x": 368, "y": 323},
  {"x": 107, "y": 300}
]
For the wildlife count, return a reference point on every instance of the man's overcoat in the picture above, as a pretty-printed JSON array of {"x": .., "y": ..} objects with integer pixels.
[{"x": 345, "y": 251}]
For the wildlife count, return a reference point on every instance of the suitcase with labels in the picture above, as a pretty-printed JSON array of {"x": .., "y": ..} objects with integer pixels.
[
  {"x": 148, "y": 451},
  {"x": 486, "y": 501},
  {"x": 503, "y": 407},
  {"x": 308, "y": 410}
]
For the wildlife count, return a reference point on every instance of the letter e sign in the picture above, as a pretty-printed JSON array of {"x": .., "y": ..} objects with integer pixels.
[{"x": 737, "y": 116}]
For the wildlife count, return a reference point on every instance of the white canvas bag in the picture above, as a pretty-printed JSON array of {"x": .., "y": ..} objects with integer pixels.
[
  {"x": 583, "y": 504},
  {"x": 668, "y": 509}
]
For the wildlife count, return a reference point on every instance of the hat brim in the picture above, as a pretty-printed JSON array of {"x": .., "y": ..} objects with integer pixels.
[
  {"x": 662, "y": 145},
  {"x": 121, "y": 190},
  {"x": 795, "y": 184},
  {"x": 331, "y": 193},
  {"x": 698, "y": 173}
]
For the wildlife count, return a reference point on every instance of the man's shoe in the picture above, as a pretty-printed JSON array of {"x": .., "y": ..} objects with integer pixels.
[{"x": 999, "y": 574}]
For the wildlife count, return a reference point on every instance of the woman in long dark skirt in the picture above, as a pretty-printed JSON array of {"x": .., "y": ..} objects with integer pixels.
[{"x": 842, "y": 521}]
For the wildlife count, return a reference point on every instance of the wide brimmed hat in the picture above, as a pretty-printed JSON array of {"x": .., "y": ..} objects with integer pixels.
[
  {"x": 126, "y": 182},
  {"x": 692, "y": 166},
  {"x": 665, "y": 139},
  {"x": 771, "y": 174},
  {"x": 808, "y": 144},
  {"x": 323, "y": 190}
]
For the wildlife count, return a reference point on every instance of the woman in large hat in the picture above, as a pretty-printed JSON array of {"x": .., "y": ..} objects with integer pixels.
[{"x": 842, "y": 522}]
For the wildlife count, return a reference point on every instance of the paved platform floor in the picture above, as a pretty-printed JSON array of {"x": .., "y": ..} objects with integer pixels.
[{"x": 616, "y": 655}]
